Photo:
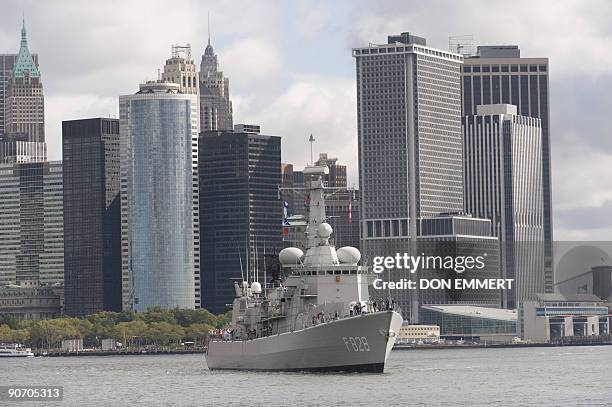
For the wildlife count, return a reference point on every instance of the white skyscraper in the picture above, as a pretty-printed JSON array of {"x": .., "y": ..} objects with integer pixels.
[{"x": 503, "y": 182}]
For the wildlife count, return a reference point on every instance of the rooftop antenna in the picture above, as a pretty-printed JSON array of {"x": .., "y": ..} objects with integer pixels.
[
  {"x": 312, "y": 140},
  {"x": 158, "y": 74},
  {"x": 209, "y": 27}
]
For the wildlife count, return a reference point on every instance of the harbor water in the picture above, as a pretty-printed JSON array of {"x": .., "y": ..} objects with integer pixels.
[{"x": 561, "y": 376}]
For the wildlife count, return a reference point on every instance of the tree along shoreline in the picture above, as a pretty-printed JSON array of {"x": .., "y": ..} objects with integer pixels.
[{"x": 157, "y": 329}]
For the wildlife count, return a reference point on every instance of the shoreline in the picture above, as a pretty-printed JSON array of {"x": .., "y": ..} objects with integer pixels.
[
  {"x": 119, "y": 353},
  {"x": 498, "y": 345}
]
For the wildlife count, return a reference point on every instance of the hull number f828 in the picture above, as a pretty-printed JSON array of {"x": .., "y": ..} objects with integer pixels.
[{"x": 356, "y": 343}]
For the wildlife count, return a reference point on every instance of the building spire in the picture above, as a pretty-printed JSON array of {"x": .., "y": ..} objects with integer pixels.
[
  {"x": 24, "y": 34},
  {"x": 24, "y": 62},
  {"x": 208, "y": 27}
]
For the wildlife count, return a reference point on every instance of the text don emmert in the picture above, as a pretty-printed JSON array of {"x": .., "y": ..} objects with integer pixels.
[{"x": 449, "y": 283}]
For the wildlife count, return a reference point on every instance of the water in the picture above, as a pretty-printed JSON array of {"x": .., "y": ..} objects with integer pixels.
[{"x": 565, "y": 376}]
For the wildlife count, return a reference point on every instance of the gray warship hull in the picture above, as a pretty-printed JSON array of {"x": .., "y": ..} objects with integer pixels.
[{"x": 360, "y": 343}]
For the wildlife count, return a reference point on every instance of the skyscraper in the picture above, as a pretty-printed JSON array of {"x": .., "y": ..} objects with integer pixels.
[
  {"x": 181, "y": 69},
  {"x": 92, "y": 216},
  {"x": 24, "y": 110},
  {"x": 503, "y": 182},
  {"x": 410, "y": 145},
  {"x": 159, "y": 197},
  {"x": 215, "y": 104},
  {"x": 7, "y": 64},
  {"x": 498, "y": 74},
  {"x": 240, "y": 212},
  {"x": 31, "y": 223}
]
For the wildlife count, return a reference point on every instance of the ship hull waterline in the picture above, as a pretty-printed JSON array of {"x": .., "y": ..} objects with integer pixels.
[{"x": 361, "y": 343}]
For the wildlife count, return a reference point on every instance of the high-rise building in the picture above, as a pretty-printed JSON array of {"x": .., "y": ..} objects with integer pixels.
[
  {"x": 92, "y": 216},
  {"x": 337, "y": 173},
  {"x": 410, "y": 144},
  {"x": 7, "y": 65},
  {"x": 499, "y": 75},
  {"x": 17, "y": 148},
  {"x": 503, "y": 182},
  {"x": 181, "y": 69},
  {"x": 159, "y": 197},
  {"x": 459, "y": 236},
  {"x": 215, "y": 104},
  {"x": 24, "y": 107},
  {"x": 240, "y": 211},
  {"x": 31, "y": 223}
]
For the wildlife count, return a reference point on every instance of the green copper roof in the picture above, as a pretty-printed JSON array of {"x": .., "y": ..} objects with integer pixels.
[{"x": 24, "y": 61}]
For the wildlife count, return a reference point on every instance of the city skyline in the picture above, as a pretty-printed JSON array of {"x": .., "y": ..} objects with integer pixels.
[{"x": 277, "y": 90}]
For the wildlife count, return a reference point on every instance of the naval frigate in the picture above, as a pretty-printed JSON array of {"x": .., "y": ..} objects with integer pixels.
[{"x": 317, "y": 317}]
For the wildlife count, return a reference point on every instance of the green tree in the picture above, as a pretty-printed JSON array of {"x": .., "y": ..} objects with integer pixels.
[
  {"x": 198, "y": 333},
  {"x": 158, "y": 314},
  {"x": 130, "y": 332}
]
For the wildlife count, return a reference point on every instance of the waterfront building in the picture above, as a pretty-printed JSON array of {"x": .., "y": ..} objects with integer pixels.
[
  {"x": 564, "y": 319},
  {"x": 410, "y": 144},
  {"x": 159, "y": 197},
  {"x": 472, "y": 323},
  {"x": 23, "y": 98},
  {"x": 418, "y": 334},
  {"x": 499, "y": 75},
  {"x": 30, "y": 301},
  {"x": 240, "y": 211},
  {"x": 503, "y": 182},
  {"x": 31, "y": 223},
  {"x": 92, "y": 216},
  {"x": 215, "y": 105}
]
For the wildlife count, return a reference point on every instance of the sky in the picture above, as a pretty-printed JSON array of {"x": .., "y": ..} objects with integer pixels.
[{"x": 291, "y": 70}]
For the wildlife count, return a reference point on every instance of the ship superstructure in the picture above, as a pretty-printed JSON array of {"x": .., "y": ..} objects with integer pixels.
[{"x": 317, "y": 316}]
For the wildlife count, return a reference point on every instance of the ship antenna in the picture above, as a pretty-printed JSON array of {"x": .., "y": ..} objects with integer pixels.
[
  {"x": 248, "y": 260},
  {"x": 241, "y": 270},
  {"x": 264, "y": 265},
  {"x": 312, "y": 140},
  {"x": 256, "y": 262}
]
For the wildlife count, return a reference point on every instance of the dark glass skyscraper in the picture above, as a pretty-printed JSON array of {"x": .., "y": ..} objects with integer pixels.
[
  {"x": 498, "y": 75},
  {"x": 240, "y": 212},
  {"x": 92, "y": 216}
]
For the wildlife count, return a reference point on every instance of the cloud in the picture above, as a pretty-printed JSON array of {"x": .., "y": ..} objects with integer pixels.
[
  {"x": 291, "y": 70},
  {"x": 322, "y": 106},
  {"x": 249, "y": 61}
]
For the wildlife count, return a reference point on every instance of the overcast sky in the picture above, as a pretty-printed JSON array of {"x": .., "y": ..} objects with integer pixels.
[{"x": 291, "y": 70}]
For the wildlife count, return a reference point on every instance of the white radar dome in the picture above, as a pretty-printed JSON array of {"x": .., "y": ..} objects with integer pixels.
[
  {"x": 256, "y": 288},
  {"x": 348, "y": 255},
  {"x": 324, "y": 230},
  {"x": 290, "y": 256}
]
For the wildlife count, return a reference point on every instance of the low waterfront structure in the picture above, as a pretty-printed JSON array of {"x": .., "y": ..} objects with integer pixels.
[
  {"x": 559, "y": 318},
  {"x": 471, "y": 323},
  {"x": 420, "y": 334}
]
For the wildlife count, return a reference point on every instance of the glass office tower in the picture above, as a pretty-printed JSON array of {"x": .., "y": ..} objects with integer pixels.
[{"x": 159, "y": 198}]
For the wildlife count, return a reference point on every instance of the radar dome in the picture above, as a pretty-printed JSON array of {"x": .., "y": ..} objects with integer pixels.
[
  {"x": 324, "y": 230},
  {"x": 348, "y": 255},
  {"x": 256, "y": 288},
  {"x": 290, "y": 256}
]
